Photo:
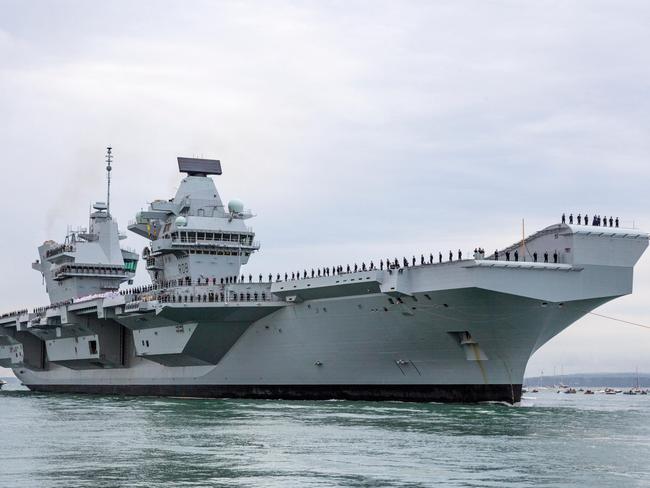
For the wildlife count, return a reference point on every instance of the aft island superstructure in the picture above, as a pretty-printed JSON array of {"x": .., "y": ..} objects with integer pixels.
[{"x": 446, "y": 331}]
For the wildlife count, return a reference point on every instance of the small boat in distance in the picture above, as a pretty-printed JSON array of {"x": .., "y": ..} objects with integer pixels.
[{"x": 637, "y": 388}]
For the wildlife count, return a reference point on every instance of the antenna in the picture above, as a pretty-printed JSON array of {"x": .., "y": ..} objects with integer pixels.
[{"x": 109, "y": 160}]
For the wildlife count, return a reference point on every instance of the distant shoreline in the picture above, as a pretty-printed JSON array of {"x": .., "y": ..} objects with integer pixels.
[{"x": 620, "y": 380}]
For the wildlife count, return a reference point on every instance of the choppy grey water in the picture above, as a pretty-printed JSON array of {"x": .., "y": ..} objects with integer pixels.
[{"x": 551, "y": 440}]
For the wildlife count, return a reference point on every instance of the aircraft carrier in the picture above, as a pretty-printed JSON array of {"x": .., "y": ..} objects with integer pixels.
[{"x": 458, "y": 330}]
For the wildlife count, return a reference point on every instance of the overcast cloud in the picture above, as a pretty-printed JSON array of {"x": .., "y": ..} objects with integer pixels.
[{"x": 354, "y": 130}]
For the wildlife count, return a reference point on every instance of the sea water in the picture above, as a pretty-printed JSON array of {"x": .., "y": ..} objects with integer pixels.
[{"x": 552, "y": 439}]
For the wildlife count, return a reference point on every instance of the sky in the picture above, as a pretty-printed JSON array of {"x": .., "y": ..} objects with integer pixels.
[{"x": 354, "y": 130}]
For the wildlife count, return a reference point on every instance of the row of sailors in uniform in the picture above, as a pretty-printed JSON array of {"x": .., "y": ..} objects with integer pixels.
[
  {"x": 215, "y": 297},
  {"x": 40, "y": 310},
  {"x": 515, "y": 256},
  {"x": 479, "y": 253},
  {"x": 36, "y": 310},
  {"x": 13, "y": 314},
  {"x": 597, "y": 220},
  {"x": 340, "y": 270}
]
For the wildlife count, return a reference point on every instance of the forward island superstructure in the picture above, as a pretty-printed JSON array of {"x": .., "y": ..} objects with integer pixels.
[{"x": 459, "y": 331}]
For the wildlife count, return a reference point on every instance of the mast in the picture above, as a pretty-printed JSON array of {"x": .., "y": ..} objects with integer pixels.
[{"x": 109, "y": 160}]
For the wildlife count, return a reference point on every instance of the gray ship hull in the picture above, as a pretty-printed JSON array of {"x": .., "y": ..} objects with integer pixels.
[
  {"x": 362, "y": 347},
  {"x": 460, "y": 331}
]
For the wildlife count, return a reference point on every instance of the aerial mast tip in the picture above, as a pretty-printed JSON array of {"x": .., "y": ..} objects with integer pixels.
[{"x": 109, "y": 168}]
